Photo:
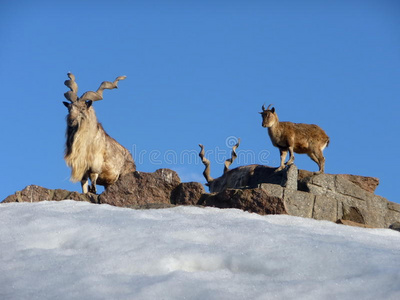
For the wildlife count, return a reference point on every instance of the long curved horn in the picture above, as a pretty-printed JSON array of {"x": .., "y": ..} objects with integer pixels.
[
  {"x": 229, "y": 161},
  {"x": 269, "y": 106},
  {"x": 206, "y": 162},
  {"x": 263, "y": 107},
  {"x": 98, "y": 95},
  {"x": 73, "y": 86}
]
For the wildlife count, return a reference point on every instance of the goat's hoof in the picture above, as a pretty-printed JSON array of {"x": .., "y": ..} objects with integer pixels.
[{"x": 279, "y": 169}]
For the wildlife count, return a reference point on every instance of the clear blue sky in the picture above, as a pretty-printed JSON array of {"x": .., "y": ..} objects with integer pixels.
[{"x": 198, "y": 72}]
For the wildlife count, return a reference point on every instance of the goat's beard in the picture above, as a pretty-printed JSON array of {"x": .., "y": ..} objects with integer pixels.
[
  {"x": 70, "y": 135},
  {"x": 73, "y": 122}
]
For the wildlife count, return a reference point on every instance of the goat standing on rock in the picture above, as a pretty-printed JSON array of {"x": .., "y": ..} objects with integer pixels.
[
  {"x": 295, "y": 137},
  {"x": 89, "y": 150}
]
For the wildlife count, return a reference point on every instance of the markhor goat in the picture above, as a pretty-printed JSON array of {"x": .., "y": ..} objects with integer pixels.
[
  {"x": 295, "y": 137},
  {"x": 206, "y": 163},
  {"x": 90, "y": 151}
]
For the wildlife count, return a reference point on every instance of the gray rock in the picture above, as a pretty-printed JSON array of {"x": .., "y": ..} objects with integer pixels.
[
  {"x": 351, "y": 213},
  {"x": 272, "y": 189},
  {"x": 289, "y": 179},
  {"x": 298, "y": 203},
  {"x": 325, "y": 208}
]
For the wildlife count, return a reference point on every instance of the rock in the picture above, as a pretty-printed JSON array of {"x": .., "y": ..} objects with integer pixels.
[
  {"x": 252, "y": 200},
  {"x": 290, "y": 177},
  {"x": 252, "y": 176},
  {"x": 393, "y": 214},
  {"x": 254, "y": 188},
  {"x": 272, "y": 189},
  {"x": 141, "y": 188},
  {"x": 352, "y": 223},
  {"x": 151, "y": 206},
  {"x": 298, "y": 203},
  {"x": 35, "y": 193},
  {"x": 395, "y": 226},
  {"x": 368, "y": 184},
  {"x": 235, "y": 178},
  {"x": 353, "y": 214},
  {"x": 187, "y": 193},
  {"x": 325, "y": 208},
  {"x": 10, "y": 199}
]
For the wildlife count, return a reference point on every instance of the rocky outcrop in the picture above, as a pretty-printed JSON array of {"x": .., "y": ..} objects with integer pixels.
[
  {"x": 35, "y": 193},
  {"x": 251, "y": 176},
  {"x": 141, "y": 188},
  {"x": 341, "y": 198},
  {"x": 346, "y": 199},
  {"x": 253, "y": 200},
  {"x": 187, "y": 193}
]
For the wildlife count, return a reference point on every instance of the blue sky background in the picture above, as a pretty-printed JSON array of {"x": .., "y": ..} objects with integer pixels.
[{"x": 198, "y": 72}]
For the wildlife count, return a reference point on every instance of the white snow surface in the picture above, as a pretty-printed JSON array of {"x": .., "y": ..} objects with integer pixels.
[{"x": 77, "y": 250}]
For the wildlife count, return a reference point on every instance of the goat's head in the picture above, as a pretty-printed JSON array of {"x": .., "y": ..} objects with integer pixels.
[
  {"x": 269, "y": 117},
  {"x": 78, "y": 107},
  {"x": 206, "y": 162},
  {"x": 78, "y": 111}
]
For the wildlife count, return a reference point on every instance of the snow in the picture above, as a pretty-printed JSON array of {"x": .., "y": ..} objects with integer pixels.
[{"x": 78, "y": 250}]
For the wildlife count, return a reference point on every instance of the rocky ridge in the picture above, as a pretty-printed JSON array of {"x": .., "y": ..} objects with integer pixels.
[{"x": 342, "y": 198}]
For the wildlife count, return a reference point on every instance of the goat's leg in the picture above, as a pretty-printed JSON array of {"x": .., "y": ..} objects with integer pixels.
[
  {"x": 93, "y": 179},
  {"x": 84, "y": 184},
  {"x": 291, "y": 157},
  {"x": 283, "y": 157},
  {"x": 319, "y": 159}
]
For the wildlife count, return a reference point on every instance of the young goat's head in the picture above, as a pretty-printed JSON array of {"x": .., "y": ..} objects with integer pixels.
[{"x": 269, "y": 117}]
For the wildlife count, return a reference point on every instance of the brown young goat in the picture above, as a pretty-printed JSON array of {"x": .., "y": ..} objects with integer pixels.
[
  {"x": 295, "y": 137},
  {"x": 89, "y": 150}
]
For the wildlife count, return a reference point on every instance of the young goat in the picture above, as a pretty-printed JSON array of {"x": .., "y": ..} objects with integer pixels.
[{"x": 295, "y": 137}]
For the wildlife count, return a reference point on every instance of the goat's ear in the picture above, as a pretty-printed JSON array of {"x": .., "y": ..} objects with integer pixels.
[
  {"x": 273, "y": 109},
  {"x": 66, "y": 104},
  {"x": 260, "y": 113},
  {"x": 89, "y": 103}
]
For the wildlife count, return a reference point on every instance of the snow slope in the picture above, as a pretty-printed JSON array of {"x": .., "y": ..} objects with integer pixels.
[{"x": 77, "y": 250}]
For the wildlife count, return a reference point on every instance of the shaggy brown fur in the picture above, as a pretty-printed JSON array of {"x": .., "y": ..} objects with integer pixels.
[
  {"x": 295, "y": 137},
  {"x": 90, "y": 151}
]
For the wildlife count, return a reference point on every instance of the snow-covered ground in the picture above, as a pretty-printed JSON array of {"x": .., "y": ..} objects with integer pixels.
[{"x": 76, "y": 250}]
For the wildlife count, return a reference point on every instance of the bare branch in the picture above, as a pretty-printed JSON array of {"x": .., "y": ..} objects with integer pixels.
[
  {"x": 206, "y": 162},
  {"x": 228, "y": 162}
]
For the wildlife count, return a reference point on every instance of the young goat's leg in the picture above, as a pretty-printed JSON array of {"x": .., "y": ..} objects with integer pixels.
[
  {"x": 291, "y": 157},
  {"x": 283, "y": 157},
  {"x": 319, "y": 159},
  {"x": 93, "y": 179}
]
